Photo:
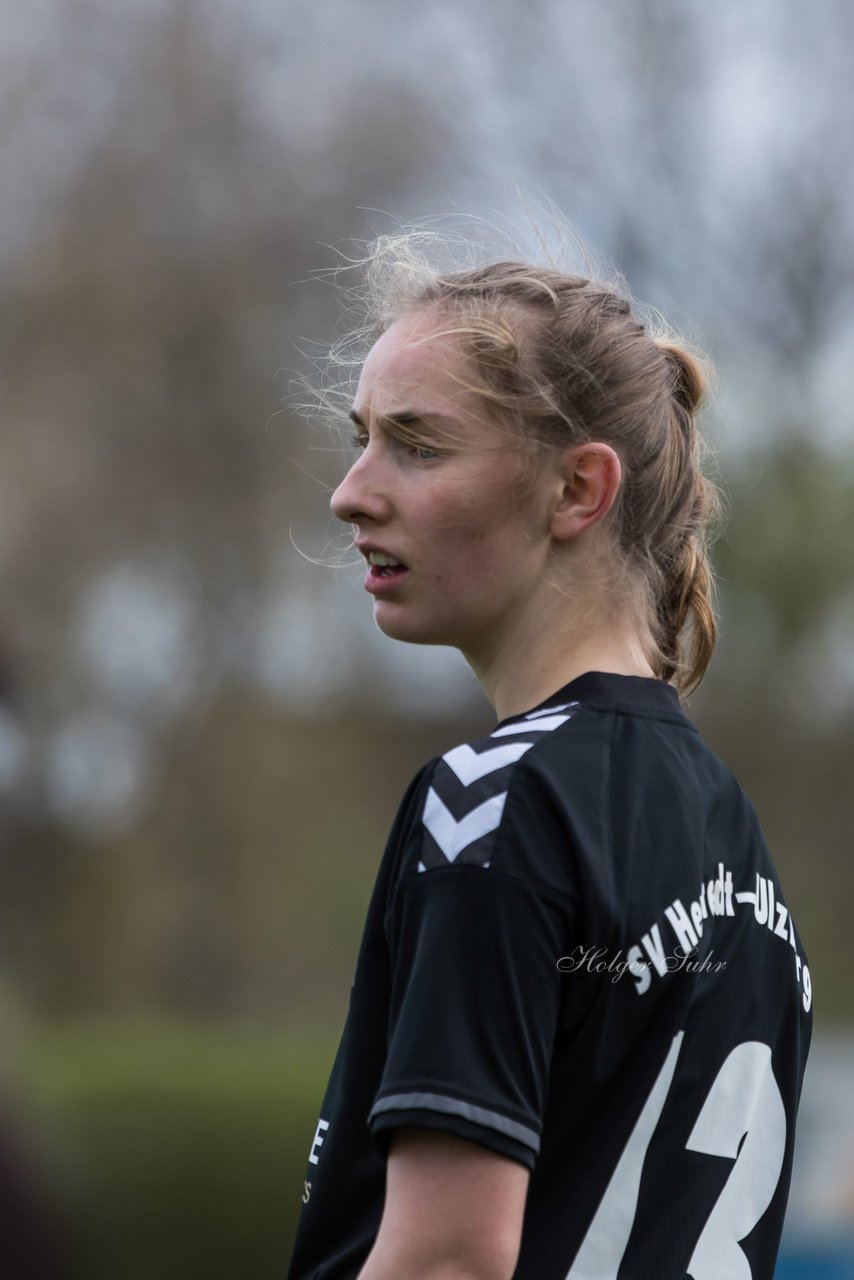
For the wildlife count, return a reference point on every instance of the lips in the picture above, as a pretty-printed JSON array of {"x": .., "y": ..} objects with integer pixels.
[{"x": 385, "y": 569}]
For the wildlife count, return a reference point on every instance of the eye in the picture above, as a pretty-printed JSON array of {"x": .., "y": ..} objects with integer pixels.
[
  {"x": 424, "y": 453},
  {"x": 360, "y": 441}
]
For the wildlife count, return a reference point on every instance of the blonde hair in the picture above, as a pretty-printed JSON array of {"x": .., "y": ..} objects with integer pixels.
[{"x": 562, "y": 359}]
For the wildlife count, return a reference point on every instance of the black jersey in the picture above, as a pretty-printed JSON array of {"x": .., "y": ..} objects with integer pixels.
[{"x": 578, "y": 955}]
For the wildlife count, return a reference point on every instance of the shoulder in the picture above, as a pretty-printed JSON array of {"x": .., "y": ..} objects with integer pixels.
[{"x": 494, "y": 802}]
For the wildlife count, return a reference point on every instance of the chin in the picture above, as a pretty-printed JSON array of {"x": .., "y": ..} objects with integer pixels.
[{"x": 410, "y": 631}]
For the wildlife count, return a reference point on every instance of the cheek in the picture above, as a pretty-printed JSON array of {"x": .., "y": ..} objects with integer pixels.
[
  {"x": 480, "y": 560},
  {"x": 481, "y": 525},
  {"x": 489, "y": 504}
]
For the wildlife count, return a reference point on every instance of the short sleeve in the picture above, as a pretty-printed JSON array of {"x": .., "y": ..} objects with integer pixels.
[{"x": 474, "y": 1007}]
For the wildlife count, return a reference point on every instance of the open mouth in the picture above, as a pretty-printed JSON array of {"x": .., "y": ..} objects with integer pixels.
[{"x": 382, "y": 567}]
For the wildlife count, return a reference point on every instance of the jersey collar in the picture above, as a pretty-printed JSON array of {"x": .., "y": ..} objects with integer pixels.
[{"x": 606, "y": 688}]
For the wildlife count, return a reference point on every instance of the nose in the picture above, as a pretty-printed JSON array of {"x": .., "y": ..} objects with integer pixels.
[{"x": 360, "y": 495}]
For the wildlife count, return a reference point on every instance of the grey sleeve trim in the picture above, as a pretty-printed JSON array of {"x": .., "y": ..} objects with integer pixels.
[{"x": 453, "y": 1107}]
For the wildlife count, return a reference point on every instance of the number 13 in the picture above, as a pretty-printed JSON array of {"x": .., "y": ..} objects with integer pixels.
[{"x": 743, "y": 1100}]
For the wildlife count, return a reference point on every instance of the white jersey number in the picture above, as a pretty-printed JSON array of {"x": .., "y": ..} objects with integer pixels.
[{"x": 743, "y": 1117}]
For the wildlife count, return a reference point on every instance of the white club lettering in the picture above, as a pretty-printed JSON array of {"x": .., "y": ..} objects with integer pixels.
[
  {"x": 653, "y": 948},
  {"x": 760, "y": 906},
  {"x": 322, "y": 1126},
  {"x": 639, "y": 969},
  {"x": 682, "y": 927},
  {"x": 782, "y": 921}
]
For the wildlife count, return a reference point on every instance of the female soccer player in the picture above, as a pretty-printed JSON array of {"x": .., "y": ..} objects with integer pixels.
[{"x": 581, "y": 1010}]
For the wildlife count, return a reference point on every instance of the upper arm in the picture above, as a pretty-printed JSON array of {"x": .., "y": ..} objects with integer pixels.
[
  {"x": 474, "y": 937},
  {"x": 452, "y": 1209}
]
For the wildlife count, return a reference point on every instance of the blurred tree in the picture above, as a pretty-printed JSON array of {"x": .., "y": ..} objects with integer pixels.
[
  {"x": 141, "y": 330},
  {"x": 183, "y": 827}
]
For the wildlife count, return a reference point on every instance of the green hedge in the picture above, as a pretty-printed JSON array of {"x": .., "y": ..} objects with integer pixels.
[{"x": 181, "y": 1152}]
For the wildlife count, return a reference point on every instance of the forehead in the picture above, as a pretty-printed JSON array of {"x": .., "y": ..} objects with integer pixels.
[{"x": 417, "y": 365}]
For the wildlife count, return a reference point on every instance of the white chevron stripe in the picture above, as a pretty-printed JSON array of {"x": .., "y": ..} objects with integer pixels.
[
  {"x": 452, "y": 836},
  {"x": 469, "y": 766},
  {"x": 549, "y": 711},
  {"x": 544, "y": 725}
]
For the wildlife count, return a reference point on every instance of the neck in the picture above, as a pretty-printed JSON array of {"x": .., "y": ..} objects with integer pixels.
[{"x": 519, "y": 675}]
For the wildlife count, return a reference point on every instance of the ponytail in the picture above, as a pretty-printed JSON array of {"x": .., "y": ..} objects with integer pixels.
[{"x": 688, "y": 627}]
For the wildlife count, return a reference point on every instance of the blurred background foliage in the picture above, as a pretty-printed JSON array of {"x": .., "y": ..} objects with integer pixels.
[{"x": 202, "y": 738}]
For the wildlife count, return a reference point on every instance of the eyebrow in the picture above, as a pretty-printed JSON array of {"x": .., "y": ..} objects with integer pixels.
[{"x": 405, "y": 419}]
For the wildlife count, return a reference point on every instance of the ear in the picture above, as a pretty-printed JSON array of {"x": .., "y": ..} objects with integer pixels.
[{"x": 589, "y": 477}]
